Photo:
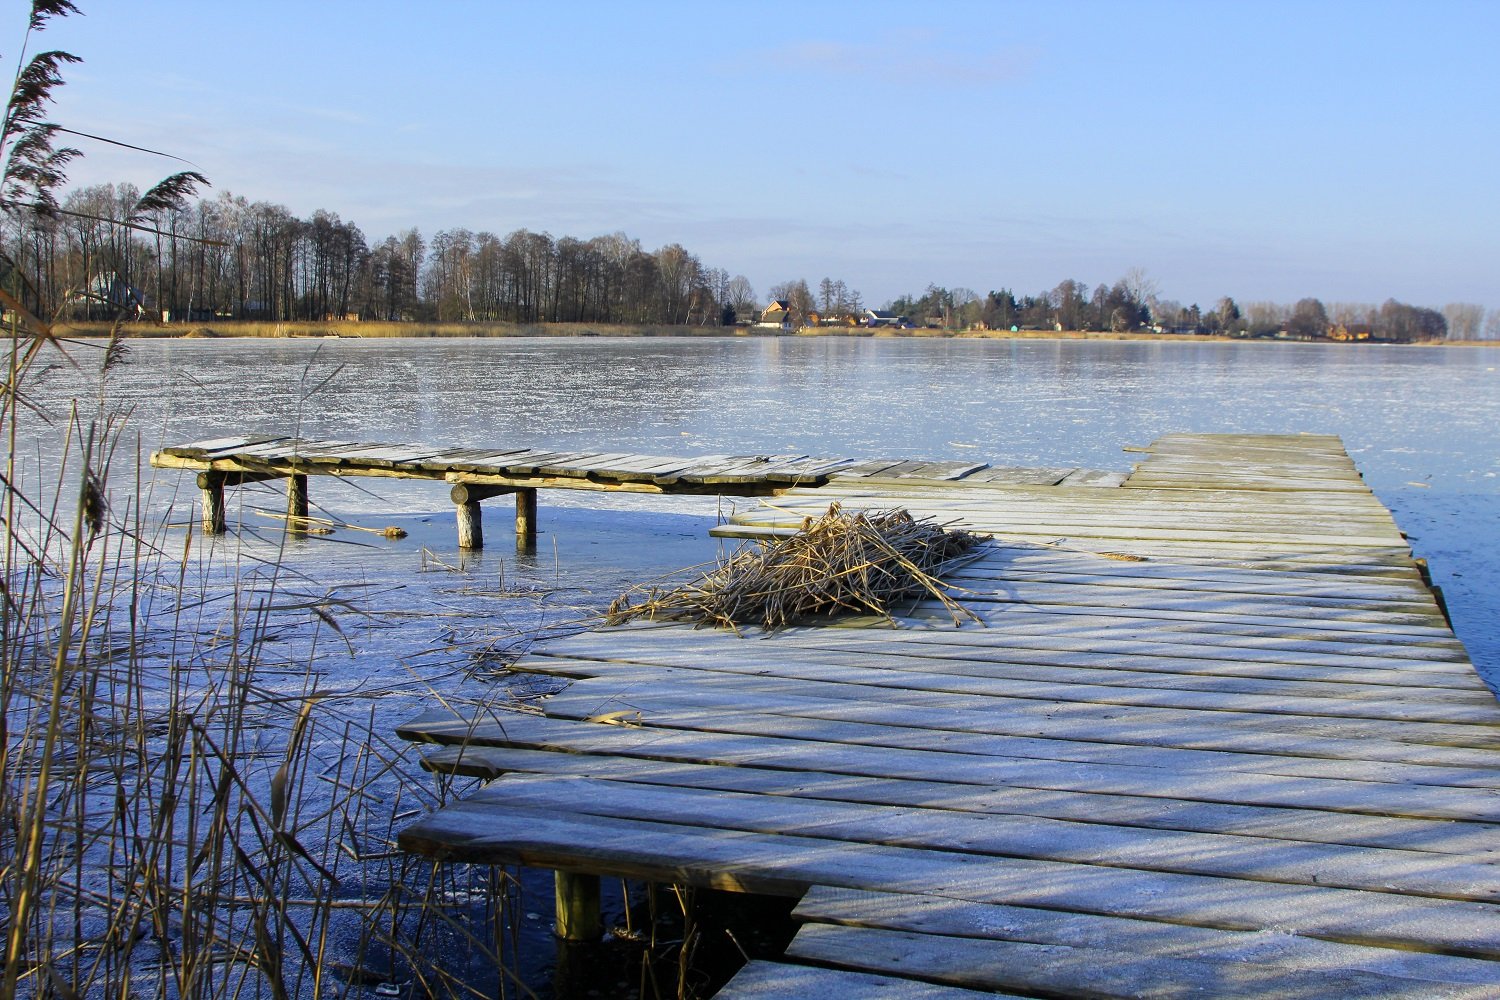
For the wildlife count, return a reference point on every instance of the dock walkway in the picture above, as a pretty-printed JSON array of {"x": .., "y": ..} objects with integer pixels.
[
  {"x": 478, "y": 474},
  {"x": 1213, "y": 736}
]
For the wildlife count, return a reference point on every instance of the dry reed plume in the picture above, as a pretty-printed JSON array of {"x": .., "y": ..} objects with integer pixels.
[{"x": 852, "y": 562}]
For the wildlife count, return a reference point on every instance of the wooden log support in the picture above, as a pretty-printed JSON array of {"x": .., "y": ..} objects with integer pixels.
[
  {"x": 578, "y": 906},
  {"x": 525, "y": 518},
  {"x": 212, "y": 485},
  {"x": 296, "y": 502},
  {"x": 466, "y": 497}
]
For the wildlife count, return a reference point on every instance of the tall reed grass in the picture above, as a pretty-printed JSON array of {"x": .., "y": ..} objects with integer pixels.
[
  {"x": 190, "y": 807},
  {"x": 185, "y": 809}
]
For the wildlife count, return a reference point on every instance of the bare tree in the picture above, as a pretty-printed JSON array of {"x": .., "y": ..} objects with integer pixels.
[
  {"x": 741, "y": 295},
  {"x": 1465, "y": 320},
  {"x": 1308, "y": 319},
  {"x": 1263, "y": 319},
  {"x": 1142, "y": 287}
]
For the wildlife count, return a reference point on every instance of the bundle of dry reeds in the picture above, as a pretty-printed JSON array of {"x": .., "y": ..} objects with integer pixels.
[{"x": 857, "y": 562}]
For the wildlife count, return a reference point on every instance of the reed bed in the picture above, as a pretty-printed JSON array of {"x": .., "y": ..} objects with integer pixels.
[
  {"x": 840, "y": 562},
  {"x": 199, "y": 798},
  {"x": 188, "y": 808}
]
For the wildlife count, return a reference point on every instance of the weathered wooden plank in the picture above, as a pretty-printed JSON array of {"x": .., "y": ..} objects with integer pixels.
[
  {"x": 1038, "y": 594},
  {"x": 1273, "y": 471},
  {"x": 810, "y": 470},
  {"x": 728, "y": 703},
  {"x": 1106, "y": 528},
  {"x": 646, "y": 467},
  {"x": 710, "y": 737},
  {"x": 762, "y": 980},
  {"x": 1063, "y": 520},
  {"x": 1064, "y": 571},
  {"x": 1009, "y": 496},
  {"x": 1206, "y": 517},
  {"x": 1094, "y": 972},
  {"x": 782, "y": 468},
  {"x": 1289, "y": 745},
  {"x": 391, "y": 455},
  {"x": 285, "y": 449},
  {"x": 1093, "y": 477},
  {"x": 873, "y": 467},
  {"x": 948, "y": 471},
  {"x": 703, "y": 470},
  {"x": 902, "y": 469},
  {"x": 475, "y": 459},
  {"x": 991, "y": 613},
  {"x": 671, "y": 477},
  {"x": 1016, "y": 475},
  {"x": 1042, "y": 632},
  {"x": 1012, "y": 838},
  {"x": 949, "y": 917},
  {"x": 1444, "y": 837},
  {"x": 490, "y": 829},
  {"x": 567, "y": 463},
  {"x": 211, "y": 447},
  {"x": 898, "y": 651},
  {"x": 896, "y": 665}
]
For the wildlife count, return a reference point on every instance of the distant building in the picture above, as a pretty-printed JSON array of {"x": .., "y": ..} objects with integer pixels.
[
  {"x": 1350, "y": 332},
  {"x": 777, "y": 315},
  {"x": 108, "y": 295},
  {"x": 882, "y": 317}
]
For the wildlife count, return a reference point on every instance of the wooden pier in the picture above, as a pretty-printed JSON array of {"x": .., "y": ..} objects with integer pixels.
[
  {"x": 1213, "y": 736},
  {"x": 482, "y": 474}
]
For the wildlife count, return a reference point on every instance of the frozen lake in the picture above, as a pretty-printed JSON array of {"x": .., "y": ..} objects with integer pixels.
[
  {"x": 1422, "y": 423},
  {"x": 415, "y": 620}
]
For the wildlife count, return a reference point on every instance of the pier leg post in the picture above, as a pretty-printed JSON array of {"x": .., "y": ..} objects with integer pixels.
[
  {"x": 466, "y": 497},
  {"x": 525, "y": 518},
  {"x": 470, "y": 525},
  {"x": 296, "y": 502},
  {"x": 212, "y": 485},
  {"x": 578, "y": 907}
]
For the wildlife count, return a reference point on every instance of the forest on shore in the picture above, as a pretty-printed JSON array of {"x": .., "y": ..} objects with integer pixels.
[{"x": 227, "y": 258}]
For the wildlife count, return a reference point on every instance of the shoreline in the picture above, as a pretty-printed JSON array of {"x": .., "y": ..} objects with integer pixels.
[{"x": 356, "y": 330}]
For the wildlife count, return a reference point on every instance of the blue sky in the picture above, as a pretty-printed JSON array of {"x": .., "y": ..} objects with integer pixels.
[{"x": 1266, "y": 151}]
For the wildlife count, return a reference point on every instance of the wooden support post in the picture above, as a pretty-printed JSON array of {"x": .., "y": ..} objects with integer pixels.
[
  {"x": 578, "y": 907},
  {"x": 525, "y": 518},
  {"x": 470, "y": 525},
  {"x": 296, "y": 502},
  {"x": 466, "y": 497},
  {"x": 212, "y": 485}
]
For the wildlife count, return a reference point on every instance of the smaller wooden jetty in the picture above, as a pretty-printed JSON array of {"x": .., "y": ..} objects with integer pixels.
[
  {"x": 1212, "y": 735},
  {"x": 478, "y": 474}
]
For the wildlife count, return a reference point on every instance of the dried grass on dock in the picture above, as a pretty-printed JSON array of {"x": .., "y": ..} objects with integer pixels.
[{"x": 839, "y": 562}]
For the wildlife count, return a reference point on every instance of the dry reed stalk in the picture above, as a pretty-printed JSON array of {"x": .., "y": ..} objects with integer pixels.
[
  {"x": 162, "y": 831},
  {"x": 840, "y": 562}
]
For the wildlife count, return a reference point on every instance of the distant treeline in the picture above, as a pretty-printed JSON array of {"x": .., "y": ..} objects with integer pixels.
[
  {"x": 226, "y": 257},
  {"x": 1132, "y": 303},
  {"x": 229, "y": 258}
]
